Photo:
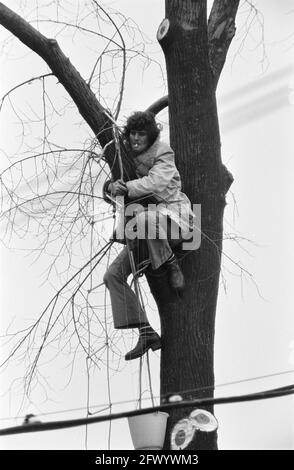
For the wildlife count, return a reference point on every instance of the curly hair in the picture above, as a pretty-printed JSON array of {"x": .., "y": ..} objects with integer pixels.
[{"x": 142, "y": 120}]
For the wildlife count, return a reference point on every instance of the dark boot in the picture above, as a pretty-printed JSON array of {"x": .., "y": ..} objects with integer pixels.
[
  {"x": 145, "y": 342},
  {"x": 175, "y": 276}
]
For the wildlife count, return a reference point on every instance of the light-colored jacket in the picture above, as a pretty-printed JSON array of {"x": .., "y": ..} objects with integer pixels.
[{"x": 159, "y": 177}]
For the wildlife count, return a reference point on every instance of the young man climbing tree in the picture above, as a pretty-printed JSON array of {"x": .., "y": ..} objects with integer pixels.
[{"x": 160, "y": 226}]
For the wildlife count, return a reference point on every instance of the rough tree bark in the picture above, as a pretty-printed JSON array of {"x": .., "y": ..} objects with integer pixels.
[{"x": 195, "y": 53}]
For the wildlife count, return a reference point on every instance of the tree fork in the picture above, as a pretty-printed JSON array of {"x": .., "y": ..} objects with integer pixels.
[{"x": 221, "y": 30}]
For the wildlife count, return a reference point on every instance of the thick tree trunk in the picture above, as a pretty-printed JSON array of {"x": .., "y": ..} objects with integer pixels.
[{"x": 188, "y": 324}]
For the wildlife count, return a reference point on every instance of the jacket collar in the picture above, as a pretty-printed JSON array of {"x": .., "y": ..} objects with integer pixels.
[{"x": 149, "y": 154}]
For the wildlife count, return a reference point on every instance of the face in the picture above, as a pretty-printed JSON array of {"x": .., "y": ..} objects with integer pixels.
[{"x": 139, "y": 141}]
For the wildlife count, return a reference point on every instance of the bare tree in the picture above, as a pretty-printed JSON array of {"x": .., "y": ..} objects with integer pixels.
[{"x": 195, "y": 52}]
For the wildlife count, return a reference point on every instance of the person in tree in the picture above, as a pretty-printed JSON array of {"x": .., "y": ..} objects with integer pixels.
[{"x": 170, "y": 219}]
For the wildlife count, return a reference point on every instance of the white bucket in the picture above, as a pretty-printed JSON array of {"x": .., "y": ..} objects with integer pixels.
[{"x": 148, "y": 430}]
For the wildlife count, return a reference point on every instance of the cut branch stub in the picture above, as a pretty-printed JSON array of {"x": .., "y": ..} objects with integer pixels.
[
  {"x": 89, "y": 107},
  {"x": 163, "y": 36}
]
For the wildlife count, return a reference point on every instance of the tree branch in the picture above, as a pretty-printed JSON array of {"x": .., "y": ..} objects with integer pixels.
[
  {"x": 221, "y": 30},
  {"x": 158, "y": 105},
  {"x": 62, "y": 68},
  {"x": 30, "y": 80},
  {"x": 84, "y": 98}
]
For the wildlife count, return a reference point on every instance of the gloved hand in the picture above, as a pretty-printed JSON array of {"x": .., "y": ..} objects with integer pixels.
[{"x": 118, "y": 188}]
